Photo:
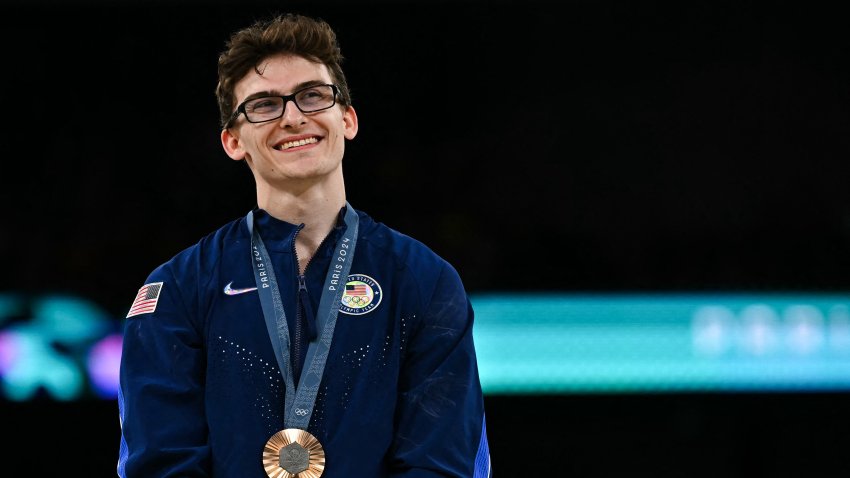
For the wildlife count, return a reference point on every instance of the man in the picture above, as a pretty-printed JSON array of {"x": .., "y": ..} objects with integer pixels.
[{"x": 305, "y": 338}]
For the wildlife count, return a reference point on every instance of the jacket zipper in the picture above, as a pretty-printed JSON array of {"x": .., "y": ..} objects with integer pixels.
[
  {"x": 302, "y": 303},
  {"x": 296, "y": 346}
]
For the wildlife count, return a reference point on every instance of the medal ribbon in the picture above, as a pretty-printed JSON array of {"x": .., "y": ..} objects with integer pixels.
[{"x": 299, "y": 402}]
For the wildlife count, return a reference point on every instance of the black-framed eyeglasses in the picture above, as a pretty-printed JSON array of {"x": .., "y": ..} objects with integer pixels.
[{"x": 267, "y": 108}]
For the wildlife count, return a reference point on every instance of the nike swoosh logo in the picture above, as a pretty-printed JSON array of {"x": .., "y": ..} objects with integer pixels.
[{"x": 231, "y": 291}]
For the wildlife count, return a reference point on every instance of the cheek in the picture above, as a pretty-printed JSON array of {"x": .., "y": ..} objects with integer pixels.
[
  {"x": 254, "y": 145},
  {"x": 338, "y": 141}
]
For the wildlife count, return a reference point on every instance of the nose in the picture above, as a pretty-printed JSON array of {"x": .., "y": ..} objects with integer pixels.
[{"x": 291, "y": 114}]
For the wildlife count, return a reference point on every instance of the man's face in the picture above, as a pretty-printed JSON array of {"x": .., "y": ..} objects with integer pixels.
[{"x": 298, "y": 149}]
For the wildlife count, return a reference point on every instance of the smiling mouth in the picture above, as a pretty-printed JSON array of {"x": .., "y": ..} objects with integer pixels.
[{"x": 295, "y": 144}]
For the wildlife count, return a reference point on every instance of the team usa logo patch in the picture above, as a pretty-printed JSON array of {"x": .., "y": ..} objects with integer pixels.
[{"x": 362, "y": 294}]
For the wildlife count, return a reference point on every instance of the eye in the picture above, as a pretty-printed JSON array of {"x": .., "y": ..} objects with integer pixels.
[
  {"x": 263, "y": 105},
  {"x": 315, "y": 96},
  {"x": 312, "y": 93}
]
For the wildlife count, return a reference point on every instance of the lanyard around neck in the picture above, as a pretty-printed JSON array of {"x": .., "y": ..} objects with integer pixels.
[{"x": 299, "y": 401}]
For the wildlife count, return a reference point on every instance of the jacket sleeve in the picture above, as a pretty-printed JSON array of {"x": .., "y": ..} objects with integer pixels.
[
  {"x": 160, "y": 399},
  {"x": 440, "y": 425}
]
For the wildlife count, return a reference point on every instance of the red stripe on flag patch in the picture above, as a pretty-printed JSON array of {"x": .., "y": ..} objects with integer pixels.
[{"x": 146, "y": 299}]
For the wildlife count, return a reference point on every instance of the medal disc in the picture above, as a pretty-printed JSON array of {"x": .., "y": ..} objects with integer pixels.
[{"x": 293, "y": 453}]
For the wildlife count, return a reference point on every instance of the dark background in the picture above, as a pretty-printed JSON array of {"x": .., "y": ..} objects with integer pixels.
[{"x": 570, "y": 146}]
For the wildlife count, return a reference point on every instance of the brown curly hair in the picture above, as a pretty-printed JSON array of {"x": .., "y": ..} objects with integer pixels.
[{"x": 311, "y": 38}]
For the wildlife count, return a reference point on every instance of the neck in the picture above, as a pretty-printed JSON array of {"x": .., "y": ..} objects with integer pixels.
[{"x": 317, "y": 208}]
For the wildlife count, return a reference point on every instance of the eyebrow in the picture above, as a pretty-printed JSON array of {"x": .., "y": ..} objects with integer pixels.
[{"x": 299, "y": 86}]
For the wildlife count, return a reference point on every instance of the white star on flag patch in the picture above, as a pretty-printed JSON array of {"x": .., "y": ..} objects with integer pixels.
[{"x": 146, "y": 299}]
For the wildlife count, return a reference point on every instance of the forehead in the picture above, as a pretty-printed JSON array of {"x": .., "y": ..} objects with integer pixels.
[{"x": 280, "y": 74}]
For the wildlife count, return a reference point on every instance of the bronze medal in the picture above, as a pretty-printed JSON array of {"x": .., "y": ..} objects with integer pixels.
[{"x": 293, "y": 453}]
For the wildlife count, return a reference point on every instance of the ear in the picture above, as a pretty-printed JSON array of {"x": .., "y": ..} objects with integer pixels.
[
  {"x": 349, "y": 117},
  {"x": 231, "y": 145}
]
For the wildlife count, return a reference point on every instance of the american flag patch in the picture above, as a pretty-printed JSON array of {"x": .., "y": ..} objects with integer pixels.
[
  {"x": 355, "y": 289},
  {"x": 146, "y": 299}
]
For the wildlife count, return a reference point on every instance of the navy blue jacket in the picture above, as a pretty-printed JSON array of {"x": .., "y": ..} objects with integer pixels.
[{"x": 201, "y": 391}]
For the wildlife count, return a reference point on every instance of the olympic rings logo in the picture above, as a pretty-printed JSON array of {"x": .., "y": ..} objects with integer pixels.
[
  {"x": 301, "y": 412},
  {"x": 356, "y": 300}
]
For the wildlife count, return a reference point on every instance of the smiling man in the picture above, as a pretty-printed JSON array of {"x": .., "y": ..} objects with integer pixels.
[{"x": 304, "y": 339}]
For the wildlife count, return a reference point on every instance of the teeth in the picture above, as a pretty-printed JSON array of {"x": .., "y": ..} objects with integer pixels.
[{"x": 301, "y": 142}]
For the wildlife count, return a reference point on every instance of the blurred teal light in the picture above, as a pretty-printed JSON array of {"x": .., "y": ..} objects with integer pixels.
[{"x": 566, "y": 343}]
